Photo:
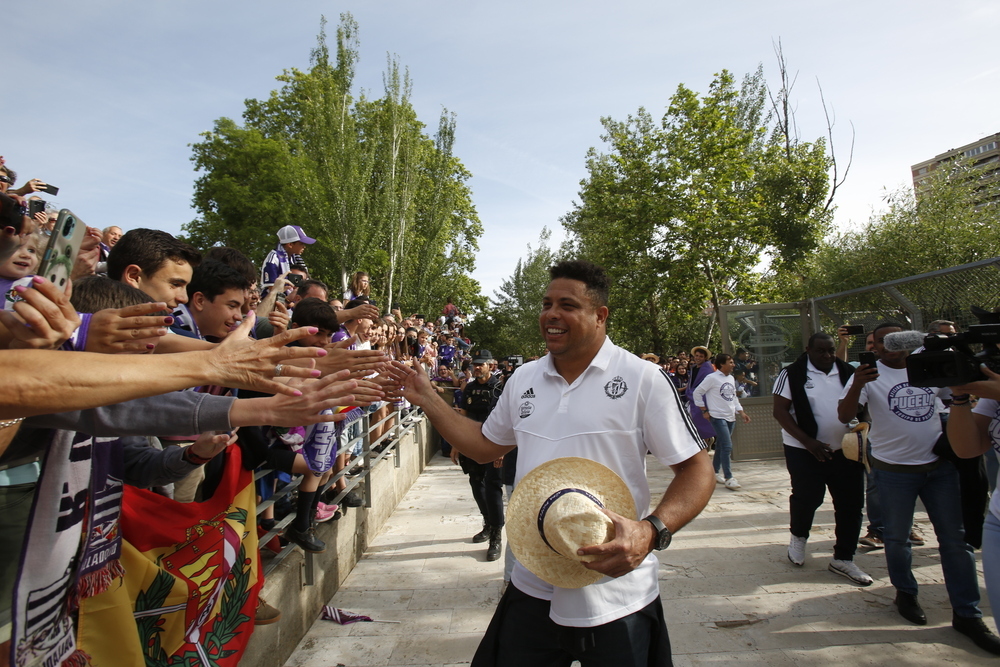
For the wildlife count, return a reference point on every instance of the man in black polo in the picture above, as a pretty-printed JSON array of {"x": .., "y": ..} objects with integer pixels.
[{"x": 486, "y": 479}]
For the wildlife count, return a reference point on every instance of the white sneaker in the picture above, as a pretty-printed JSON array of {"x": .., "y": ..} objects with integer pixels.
[
  {"x": 848, "y": 569},
  {"x": 732, "y": 484},
  {"x": 797, "y": 550},
  {"x": 720, "y": 478}
]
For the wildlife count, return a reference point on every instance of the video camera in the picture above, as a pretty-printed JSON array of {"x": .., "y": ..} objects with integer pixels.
[{"x": 947, "y": 360}]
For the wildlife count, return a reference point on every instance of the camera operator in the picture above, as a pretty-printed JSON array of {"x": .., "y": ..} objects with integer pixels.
[{"x": 905, "y": 428}]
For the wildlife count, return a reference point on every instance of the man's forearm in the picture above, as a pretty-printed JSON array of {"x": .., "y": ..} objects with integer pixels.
[
  {"x": 848, "y": 407},
  {"x": 462, "y": 433},
  {"x": 38, "y": 380},
  {"x": 967, "y": 436},
  {"x": 688, "y": 493}
]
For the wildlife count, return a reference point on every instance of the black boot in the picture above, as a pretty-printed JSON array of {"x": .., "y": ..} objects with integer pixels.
[
  {"x": 976, "y": 630},
  {"x": 482, "y": 535},
  {"x": 493, "y": 552},
  {"x": 910, "y": 609}
]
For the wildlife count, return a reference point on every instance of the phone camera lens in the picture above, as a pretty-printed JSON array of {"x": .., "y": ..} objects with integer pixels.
[{"x": 69, "y": 227}]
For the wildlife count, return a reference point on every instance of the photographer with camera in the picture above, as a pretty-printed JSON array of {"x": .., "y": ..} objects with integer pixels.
[{"x": 905, "y": 428}]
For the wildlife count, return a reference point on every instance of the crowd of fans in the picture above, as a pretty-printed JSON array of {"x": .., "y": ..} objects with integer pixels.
[{"x": 255, "y": 368}]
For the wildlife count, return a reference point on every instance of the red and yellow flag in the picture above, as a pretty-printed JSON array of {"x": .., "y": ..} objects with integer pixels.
[{"x": 191, "y": 580}]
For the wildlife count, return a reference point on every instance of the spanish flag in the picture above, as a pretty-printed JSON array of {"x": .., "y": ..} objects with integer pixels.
[{"x": 191, "y": 582}]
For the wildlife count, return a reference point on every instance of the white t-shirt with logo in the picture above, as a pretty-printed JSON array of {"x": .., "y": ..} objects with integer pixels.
[
  {"x": 718, "y": 394},
  {"x": 823, "y": 391},
  {"x": 990, "y": 408},
  {"x": 619, "y": 407},
  {"x": 905, "y": 422}
]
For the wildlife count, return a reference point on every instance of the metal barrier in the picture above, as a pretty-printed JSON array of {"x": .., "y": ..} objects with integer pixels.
[
  {"x": 914, "y": 302},
  {"x": 372, "y": 452}
]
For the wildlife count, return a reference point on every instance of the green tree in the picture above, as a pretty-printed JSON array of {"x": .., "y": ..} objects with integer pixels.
[
  {"x": 682, "y": 211},
  {"x": 955, "y": 220},
  {"x": 353, "y": 172}
]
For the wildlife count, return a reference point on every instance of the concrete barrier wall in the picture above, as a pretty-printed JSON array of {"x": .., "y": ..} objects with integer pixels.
[{"x": 346, "y": 540}]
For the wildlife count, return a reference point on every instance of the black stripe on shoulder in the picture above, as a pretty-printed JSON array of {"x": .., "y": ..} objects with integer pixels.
[{"x": 682, "y": 409}]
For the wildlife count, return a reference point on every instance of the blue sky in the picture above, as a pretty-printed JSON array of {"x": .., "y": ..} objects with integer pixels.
[{"x": 102, "y": 98}]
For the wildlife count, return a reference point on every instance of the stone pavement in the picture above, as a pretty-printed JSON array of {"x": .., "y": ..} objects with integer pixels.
[{"x": 729, "y": 592}]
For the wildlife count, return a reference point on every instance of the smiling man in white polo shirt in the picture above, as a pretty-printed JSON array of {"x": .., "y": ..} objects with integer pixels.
[
  {"x": 806, "y": 394},
  {"x": 586, "y": 398}
]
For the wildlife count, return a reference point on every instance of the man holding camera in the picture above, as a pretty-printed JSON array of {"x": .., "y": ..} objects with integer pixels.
[{"x": 905, "y": 428}]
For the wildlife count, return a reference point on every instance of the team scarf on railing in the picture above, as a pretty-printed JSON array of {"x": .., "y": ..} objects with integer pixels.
[
  {"x": 71, "y": 548},
  {"x": 191, "y": 581}
]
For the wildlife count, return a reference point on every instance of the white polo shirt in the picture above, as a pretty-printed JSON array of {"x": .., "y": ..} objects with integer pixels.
[
  {"x": 619, "y": 407},
  {"x": 905, "y": 422},
  {"x": 823, "y": 392}
]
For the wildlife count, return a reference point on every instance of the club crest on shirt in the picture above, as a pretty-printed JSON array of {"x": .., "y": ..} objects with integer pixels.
[
  {"x": 616, "y": 388},
  {"x": 727, "y": 391},
  {"x": 913, "y": 404},
  {"x": 526, "y": 409}
]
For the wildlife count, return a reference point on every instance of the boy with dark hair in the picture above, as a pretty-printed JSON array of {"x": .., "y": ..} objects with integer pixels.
[
  {"x": 216, "y": 295},
  {"x": 155, "y": 262}
]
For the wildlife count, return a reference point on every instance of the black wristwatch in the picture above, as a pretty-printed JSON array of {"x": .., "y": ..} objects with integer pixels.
[{"x": 663, "y": 534}]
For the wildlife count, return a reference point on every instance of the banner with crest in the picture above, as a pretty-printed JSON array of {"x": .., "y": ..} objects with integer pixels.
[{"x": 191, "y": 580}]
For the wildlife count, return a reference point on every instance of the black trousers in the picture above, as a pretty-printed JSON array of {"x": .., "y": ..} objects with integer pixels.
[
  {"x": 486, "y": 481},
  {"x": 810, "y": 480},
  {"x": 521, "y": 634}
]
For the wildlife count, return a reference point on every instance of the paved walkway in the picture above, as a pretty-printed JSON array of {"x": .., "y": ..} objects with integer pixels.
[{"x": 729, "y": 592}]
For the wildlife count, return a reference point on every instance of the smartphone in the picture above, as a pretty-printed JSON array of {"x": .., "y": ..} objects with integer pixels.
[
  {"x": 294, "y": 278},
  {"x": 64, "y": 245},
  {"x": 867, "y": 358},
  {"x": 35, "y": 206},
  {"x": 854, "y": 329},
  {"x": 50, "y": 189}
]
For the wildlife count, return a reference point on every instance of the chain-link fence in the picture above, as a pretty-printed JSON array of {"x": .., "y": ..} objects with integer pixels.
[
  {"x": 913, "y": 302},
  {"x": 774, "y": 335}
]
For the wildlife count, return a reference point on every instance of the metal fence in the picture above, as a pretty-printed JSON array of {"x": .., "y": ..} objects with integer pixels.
[
  {"x": 776, "y": 333},
  {"x": 913, "y": 302},
  {"x": 373, "y": 451}
]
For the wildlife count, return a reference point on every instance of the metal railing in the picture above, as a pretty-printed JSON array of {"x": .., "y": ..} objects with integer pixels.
[{"x": 372, "y": 453}]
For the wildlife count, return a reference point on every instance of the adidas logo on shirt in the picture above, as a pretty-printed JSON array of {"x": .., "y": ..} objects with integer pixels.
[{"x": 529, "y": 394}]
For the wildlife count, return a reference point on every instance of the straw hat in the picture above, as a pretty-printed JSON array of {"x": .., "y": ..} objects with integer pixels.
[
  {"x": 855, "y": 444},
  {"x": 556, "y": 509}
]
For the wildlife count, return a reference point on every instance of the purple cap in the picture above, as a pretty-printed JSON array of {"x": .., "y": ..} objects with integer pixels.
[{"x": 292, "y": 234}]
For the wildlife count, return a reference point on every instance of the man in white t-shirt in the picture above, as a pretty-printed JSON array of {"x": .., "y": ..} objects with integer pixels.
[
  {"x": 805, "y": 405},
  {"x": 587, "y": 398},
  {"x": 905, "y": 428}
]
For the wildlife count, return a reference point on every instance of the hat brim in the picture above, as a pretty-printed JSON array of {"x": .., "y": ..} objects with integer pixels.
[
  {"x": 855, "y": 444},
  {"x": 534, "y": 488}
]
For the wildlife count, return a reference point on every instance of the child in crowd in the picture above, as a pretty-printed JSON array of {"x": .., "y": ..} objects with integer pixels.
[{"x": 23, "y": 263}]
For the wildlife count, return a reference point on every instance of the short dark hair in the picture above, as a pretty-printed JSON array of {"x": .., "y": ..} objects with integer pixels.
[
  {"x": 721, "y": 358},
  {"x": 313, "y": 312},
  {"x": 306, "y": 285},
  {"x": 935, "y": 326},
  {"x": 354, "y": 303},
  {"x": 593, "y": 276},
  {"x": 149, "y": 249},
  {"x": 885, "y": 325},
  {"x": 212, "y": 278},
  {"x": 235, "y": 259},
  {"x": 817, "y": 336},
  {"x": 94, "y": 293}
]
